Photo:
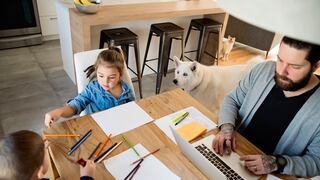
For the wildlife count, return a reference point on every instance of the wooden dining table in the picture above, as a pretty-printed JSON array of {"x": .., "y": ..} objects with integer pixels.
[{"x": 149, "y": 135}]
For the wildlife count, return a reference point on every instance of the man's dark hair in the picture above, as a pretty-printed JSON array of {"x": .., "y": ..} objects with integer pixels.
[{"x": 313, "y": 55}]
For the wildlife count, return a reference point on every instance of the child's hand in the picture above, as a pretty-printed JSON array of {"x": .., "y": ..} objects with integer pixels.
[
  {"x": 51, "y": 117},
  {"x": 88, "y": 170}
]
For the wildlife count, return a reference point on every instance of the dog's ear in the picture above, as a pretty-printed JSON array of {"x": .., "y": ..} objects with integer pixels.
[
  {"x": 177, "y": 61},
  {"x": 193, "y": 66}
]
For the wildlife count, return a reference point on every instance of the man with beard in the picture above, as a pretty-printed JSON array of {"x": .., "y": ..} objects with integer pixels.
[{"x": 276, "y": 106}]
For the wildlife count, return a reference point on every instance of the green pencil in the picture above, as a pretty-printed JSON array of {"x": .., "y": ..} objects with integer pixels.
[{"x": 129, "y": 144}]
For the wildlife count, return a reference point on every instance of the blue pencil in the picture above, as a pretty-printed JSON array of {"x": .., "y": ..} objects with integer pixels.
[{"x": 74, "y": 147}]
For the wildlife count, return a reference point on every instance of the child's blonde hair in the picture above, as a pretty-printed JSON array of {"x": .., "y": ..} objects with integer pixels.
[
  {"x": 21, "y": 155},
  {"x": 112, "y": 57}
]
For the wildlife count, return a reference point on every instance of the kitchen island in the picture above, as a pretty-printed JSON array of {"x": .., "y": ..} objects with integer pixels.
[{"x": 80, "y": 32}]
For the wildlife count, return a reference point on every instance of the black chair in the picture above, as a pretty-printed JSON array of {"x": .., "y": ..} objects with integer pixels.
[
  {"x": 123, "y": 37},
  {"x": 206, "y": 27},
  {"x": 167, "y": 32}
]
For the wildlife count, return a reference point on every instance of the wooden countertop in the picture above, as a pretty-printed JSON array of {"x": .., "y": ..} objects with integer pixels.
[{"x": 110, "y": 14}]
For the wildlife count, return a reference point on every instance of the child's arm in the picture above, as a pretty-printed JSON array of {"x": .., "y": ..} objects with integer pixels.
[
  {"x": 54, "y": 115},
  {"x": 88, "y": 171}
]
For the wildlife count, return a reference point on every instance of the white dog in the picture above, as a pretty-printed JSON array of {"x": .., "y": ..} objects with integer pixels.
[{"x": 209, "y": 84}]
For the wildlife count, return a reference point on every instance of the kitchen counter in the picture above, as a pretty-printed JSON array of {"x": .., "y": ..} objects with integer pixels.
[{"x": 80, "y": 25}]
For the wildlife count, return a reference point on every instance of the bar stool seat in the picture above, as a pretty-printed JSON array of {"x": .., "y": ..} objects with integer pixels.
[
  {"x": 123, "y": 37},
  {"x": 167, "y": 32},
  {"x": 206, "y": 27}
]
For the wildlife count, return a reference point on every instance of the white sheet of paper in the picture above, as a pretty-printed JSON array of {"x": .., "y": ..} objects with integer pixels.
[
  {"x": 151, "y": 168},
  {"x": 121, "y": 118},
  {"x": 272, "y": 177},
  {"x": 194, "y": 115}
]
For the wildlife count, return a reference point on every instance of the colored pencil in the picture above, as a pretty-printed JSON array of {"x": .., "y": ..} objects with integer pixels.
[
  {"x": 85, "y": 137},
  {"x": 132, "y": 171},
  {"x": 129, "y": 144},
  {"x": 145, "y": 156},
  {"x": 95, "y": 149},
  {"x": 174, "y": 120},
  {"x": 107, "y": 152},
  {"x": 182, "y": 118},
  {"x": 68, "y": 135},
  {"x": 135, "y": 171},
  {"x": 103, "y": 145}
]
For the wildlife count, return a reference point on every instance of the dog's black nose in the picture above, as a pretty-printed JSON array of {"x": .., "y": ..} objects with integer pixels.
[{"x": 175, "y": 81}]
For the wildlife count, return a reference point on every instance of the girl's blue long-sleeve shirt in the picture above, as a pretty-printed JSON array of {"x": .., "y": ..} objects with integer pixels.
[{"x": 94, "y": 98}]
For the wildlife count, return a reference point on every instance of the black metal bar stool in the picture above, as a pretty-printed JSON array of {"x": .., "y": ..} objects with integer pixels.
[
  {"x": 206, "y": 27},
  {"x": 167, "y": 32},
  {"x": 123, "y": 37}
]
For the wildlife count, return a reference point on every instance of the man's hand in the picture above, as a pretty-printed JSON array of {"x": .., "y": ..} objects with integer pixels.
[
  {"x": 260, "y": 164},
  {"x": 225, "y": 139}
]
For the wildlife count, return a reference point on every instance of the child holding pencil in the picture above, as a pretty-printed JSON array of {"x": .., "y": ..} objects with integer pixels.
[
  {"x": 104, "y": 92},
  {"x": 23, "y": 155}
]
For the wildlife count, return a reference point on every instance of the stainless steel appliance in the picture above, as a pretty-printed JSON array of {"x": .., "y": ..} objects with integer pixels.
[{"x": 20, "y": 25}]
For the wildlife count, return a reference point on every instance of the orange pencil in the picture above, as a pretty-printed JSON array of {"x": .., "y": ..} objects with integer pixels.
[
  {"x": 103, "y": 145},
  {"x": 72, "y": 135}
]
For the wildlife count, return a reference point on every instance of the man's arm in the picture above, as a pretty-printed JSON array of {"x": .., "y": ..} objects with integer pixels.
[
  {"x": 307, "y": 165},
  {"x": 233, "y": 101},
  {"x": 229, "y": 113}
]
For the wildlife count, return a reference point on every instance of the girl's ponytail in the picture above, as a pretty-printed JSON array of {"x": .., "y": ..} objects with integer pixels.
[{"x": 90, "y": 72}]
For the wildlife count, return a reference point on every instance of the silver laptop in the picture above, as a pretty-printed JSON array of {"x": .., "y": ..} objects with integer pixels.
[{"x": 211, "y": 164}]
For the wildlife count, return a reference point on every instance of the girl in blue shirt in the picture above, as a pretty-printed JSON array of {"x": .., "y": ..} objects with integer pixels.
[{"x": 104, "y": 92}]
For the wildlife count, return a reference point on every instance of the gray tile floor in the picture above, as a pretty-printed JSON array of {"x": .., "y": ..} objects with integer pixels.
[{"x": 32, "y": 82}]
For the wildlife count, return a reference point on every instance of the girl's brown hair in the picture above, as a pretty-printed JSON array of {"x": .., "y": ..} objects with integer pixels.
[
  {"x": 112, "y": 57},
  {"x": 21, "y": 155}
]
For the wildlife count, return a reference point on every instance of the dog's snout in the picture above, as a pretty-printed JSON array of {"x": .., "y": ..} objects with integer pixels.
[{"x": 175, "y": 81}]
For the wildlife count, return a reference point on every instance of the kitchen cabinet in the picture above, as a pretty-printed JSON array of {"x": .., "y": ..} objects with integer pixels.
[{"x": 48, "y": 19}]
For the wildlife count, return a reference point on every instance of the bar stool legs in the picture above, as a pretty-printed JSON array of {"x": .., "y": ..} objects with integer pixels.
[
  {"x": 138, "y": 74},
  {"x": 167, "y": 32},
  {"x": 206, "y": 27}
]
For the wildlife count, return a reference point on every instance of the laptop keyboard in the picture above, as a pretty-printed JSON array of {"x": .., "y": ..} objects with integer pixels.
[{"x": 217, "y": 162}]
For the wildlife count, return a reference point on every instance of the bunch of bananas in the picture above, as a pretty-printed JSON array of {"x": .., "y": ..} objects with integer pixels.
[{"x": 84, "y": 2}]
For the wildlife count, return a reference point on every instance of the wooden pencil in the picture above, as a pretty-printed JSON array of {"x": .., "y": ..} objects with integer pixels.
[{"x": 145, "y": 156}]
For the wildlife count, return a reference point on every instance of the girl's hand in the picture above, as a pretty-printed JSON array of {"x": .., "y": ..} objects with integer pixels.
[
  {"x": 88, "y": 170},
  {"x": 52, "y": 117}
]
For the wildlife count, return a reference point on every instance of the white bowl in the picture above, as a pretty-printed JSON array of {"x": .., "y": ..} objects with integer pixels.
[{"x": 89, "y": 9}]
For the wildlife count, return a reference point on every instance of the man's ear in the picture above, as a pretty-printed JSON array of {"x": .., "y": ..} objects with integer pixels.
[
  {"x": 316, "y": 66},
  {"x": 193, "y": 66},
  {"x": 176, "y": 60}
]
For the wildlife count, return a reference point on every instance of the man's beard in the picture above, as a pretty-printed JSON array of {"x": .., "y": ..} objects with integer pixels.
[{"x": 289, "y": 85}]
